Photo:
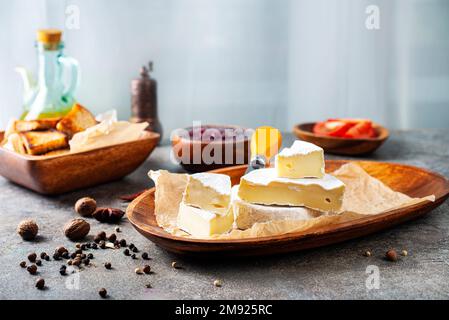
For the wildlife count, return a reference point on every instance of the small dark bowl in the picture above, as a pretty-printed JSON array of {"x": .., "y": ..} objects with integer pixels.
[
  {"x": 342, "y": 146},
  {"x": 185, "y": 148}
]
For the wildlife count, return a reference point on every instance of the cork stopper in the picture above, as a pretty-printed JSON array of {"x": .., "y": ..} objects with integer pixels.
[{"x": 49, "y": 36}]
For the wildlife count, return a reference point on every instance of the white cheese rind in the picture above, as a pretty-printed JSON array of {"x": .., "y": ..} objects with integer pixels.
[{"x": 301, "y": 148}]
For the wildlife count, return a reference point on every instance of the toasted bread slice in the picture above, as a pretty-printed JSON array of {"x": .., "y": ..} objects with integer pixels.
[
  {"x": 77, "y": 120},
  {"x": 41, "y": 142},
  {"x": 35, "y": 125}
]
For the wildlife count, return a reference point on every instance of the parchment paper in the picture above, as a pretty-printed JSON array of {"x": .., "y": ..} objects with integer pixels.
[{"x": 364, "y": 196}]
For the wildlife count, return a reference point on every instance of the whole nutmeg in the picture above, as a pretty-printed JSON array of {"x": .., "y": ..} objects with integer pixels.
[
  {"x": 108, "y": 215},
  {"x": 76, "y": 229},
  {"x": 27, "y": 229},
  {"x": 86, "y": 206}
]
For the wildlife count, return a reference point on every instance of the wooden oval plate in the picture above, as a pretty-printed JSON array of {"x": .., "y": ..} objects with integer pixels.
[
  {"x": 336, "y": 145},
  {"x": 412, "y": 181}
]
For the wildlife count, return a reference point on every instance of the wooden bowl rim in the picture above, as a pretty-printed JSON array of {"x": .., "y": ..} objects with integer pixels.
[
  {"x": 177, "y": 139},
  {"x": 384, "y": 133},
  {"x": 161, "y": 233},
  {"x": 147, "y": 136}
]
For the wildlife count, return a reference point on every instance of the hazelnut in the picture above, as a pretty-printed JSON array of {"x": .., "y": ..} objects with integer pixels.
[
  {"x": 86, "y": 206},
  {"x": 27, "y": 229},
  {"x": 391, "y": 255},
  {"x": 76, "y": 229}
]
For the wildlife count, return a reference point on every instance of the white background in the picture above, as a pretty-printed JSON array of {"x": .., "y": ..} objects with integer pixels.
[{"x": 247, "y": 62}]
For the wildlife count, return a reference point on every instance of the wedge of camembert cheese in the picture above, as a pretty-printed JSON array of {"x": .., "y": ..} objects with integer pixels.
[
  {"x": 263, "y": 186},
  {"x": 203, "y": 223},
  {"x": 209, "y": 191},
  {"x": 301, "y": 160}
]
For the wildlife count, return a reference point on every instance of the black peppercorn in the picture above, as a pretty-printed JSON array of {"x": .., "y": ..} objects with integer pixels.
[
  {"x": 56, "y": 257},
  {"x": 94, "y": 246},
  {"x": 145, "y": 256},
  {"x": 86, "y": 262},
  {"x": 123, "y": 243},
  {"x": 79, "y": 251},
  {"x": 40, "y": 283},
  {"x": 43, "y": 255},
  {"x": 23, "y": 264},
  {"x": 73, "y": 255},
  {"x": 90, "y": 256},
  {"x": 32, "y": 269},
  {"x": 112, "y": 237},
  {"x": 47, "y": 258},
  {"x": 147, "y": 269},
  {"x": 108, "y": 265},
  {"x": 102, "y": 244},
  {"x": 103, "y": 293},
  {"x": 61, "y": 250},
  {"x": 83, "y": 247},
  {"x": 126, "y": 252},
  {"x": 88, "y": 245},
  {"x": 38, "y": 263},
  {"x": 135, "y": 249},
  {"x": 66, "y": 255},
  {"x": 32, "y": 257},
  {"x": 133, "y": 256},
  {"x": 131, "y": 246},
  {"x": 76, "y": 262}
]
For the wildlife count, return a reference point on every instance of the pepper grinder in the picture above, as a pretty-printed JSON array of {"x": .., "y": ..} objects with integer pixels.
[{"x": 144, "y": 100}]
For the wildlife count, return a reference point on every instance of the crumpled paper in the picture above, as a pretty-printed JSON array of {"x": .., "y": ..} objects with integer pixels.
[
  {"x": 364, "y": 196},
  {"x": 108, "y": 132}
]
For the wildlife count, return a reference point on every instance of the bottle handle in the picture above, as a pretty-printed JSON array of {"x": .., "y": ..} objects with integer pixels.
[{"x": 72, "y": 66}]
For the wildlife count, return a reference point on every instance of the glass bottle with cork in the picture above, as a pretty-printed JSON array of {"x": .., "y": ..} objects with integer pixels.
[{"x": 50, "y": 96}]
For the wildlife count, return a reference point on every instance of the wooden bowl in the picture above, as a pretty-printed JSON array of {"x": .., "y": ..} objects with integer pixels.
[
  {"x": 412, "y": 181},
  {"x": 185, "y": 150},
  {"x": 342, "y": 146},
  {"x": 58, "y": 174}
]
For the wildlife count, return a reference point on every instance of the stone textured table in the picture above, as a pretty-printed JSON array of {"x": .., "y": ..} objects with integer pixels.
[{"x": 333, "y": 272}]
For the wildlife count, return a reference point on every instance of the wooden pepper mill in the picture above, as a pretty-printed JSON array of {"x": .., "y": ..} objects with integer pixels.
[{"x": 144, "y": 100}]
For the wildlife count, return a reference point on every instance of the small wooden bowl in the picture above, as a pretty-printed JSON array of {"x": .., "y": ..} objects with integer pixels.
[
  {"x": 343, "y": 146},
  {"x": 413, "y": 181},
  {"x": 185, "y": 149},
  {"x": 58, "y": 174}
]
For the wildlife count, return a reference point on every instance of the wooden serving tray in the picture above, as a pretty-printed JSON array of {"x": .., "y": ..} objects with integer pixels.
[
  {"x": 342, "y": 146},
  {"x": 58, "y": 174},
  {"x": 412, "y": 181}
]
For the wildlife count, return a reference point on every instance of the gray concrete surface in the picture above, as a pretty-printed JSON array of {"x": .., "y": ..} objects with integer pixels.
[{"x": 334, "y": 272}]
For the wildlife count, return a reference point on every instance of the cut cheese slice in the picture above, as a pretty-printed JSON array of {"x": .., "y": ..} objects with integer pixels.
[
  {"x": 247, "y": 214},
  {"x": 209, "y": 191},
  {"x": 264, "y": 187},
  {"x": 302, "y": 160},
  {"x": 201, "y": 223}
]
